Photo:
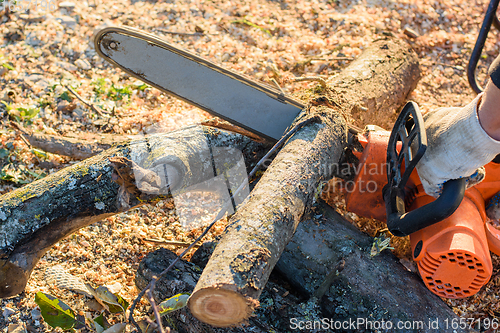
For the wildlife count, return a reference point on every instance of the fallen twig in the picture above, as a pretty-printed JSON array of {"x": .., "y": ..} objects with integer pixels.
[
  {"x": 333, "y": 58},
  {"x": 166, "y": 242},
  {"x": 277, "y": 85},
  {"x": 225, "y": 125},
  {"x": 165, "y": 31},
  {"x": 87, "y": 103},
  {"x": 77, "y": 148},
  {"x": 312, "y": 78}
]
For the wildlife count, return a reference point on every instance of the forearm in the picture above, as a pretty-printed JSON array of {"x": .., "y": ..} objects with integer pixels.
[{"x": 489, "y": 111}]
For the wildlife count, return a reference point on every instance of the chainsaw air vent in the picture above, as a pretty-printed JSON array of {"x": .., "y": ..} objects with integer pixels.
[{"x": 453, "y": 274}]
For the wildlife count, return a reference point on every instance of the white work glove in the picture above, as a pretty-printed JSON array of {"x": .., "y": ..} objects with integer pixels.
[{"x": 457, "y": 146}]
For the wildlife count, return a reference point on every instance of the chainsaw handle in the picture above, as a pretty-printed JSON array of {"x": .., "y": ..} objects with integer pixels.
[
  {"x": 402, "y": 224},
  {"x": 409, "y": 131}
]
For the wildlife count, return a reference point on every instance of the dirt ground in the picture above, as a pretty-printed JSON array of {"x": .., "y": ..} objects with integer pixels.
[{"x": 48, "y": 48}]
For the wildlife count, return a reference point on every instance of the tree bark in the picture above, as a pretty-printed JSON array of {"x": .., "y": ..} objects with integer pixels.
[
  {"x": 279, "y": 305},
  {"x": 377, "y": 83},
  {"x": 331, "y": 278},
  {"x": 329, "y": 260},
  {"x": 229, "y": 288},
  {"x": 34, "y": 217}
]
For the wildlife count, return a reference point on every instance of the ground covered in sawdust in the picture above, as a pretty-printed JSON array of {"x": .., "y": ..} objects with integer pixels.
[{"x": 48, "y": 48}]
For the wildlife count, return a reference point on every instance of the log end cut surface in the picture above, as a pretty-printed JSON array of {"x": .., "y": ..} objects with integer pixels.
[{"x": 219, "y": 307}]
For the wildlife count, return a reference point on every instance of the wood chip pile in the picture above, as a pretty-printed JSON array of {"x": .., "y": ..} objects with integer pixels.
[{"x": 47, "y": 49}]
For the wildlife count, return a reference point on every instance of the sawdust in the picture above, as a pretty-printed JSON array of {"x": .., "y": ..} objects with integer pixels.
[{"x": 43, "y": 51}]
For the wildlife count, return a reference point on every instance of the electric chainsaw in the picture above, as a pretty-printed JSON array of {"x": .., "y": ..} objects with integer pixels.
[{"x": 450, "y": 236}]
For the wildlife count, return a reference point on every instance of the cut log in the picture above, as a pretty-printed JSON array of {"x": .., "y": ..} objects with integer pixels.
[
  {"x": 329, "y": 259},
  {"x": 333, "y": 278},
  {"x": 34, "y": 217},
  {"x": 229, "y": 288},
  {"x": 280, "y": 305}
]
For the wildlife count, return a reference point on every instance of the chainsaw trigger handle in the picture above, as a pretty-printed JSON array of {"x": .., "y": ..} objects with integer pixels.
[
  {"x": 407, "y": 145},
  {"x": 402, "y": 224},
  {"x": 410, "y": 131}
]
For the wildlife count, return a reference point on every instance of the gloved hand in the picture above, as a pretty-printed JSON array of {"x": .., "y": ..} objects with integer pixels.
[{"x": 457, "y": 146}]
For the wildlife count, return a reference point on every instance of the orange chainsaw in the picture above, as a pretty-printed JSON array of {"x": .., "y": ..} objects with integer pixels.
[{"x": 450, "y": 236}]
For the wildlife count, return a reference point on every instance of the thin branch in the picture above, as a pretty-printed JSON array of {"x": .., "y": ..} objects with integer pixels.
[
  {"x": 156, "y": 311},
  {"x": 166, "y": 242},
  {"x": 277, "y": 85},
  {"x": 25, "y": 141},
  {"x": 22, "y": 131},
  {"x": 312, "y": 78},
  {"x": 87, "y": 103},
  {"x": 148, "y": 289},
  {"x": 225, "y": 125},
  {"x": 333, "y": 58},
  {"x": 165, "y": 31}
]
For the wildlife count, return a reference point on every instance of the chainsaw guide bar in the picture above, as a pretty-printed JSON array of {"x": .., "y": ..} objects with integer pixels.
[{"x": 256, "y": 107}]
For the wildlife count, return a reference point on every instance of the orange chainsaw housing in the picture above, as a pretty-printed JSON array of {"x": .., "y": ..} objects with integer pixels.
[{"x": 452, "y": 255}]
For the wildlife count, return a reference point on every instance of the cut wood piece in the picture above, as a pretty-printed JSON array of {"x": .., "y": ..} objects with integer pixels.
[
  {"x": 231, "y": 283},
  {"x": 280, "y": 307},
  {"x": 34, "y": 217},
  {"x": 259, "y": 231},
  {"x": 329, "y": 262}
]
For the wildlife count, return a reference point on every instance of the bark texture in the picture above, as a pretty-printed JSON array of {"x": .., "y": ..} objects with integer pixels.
[
  {"x": 382, "y": 76},
  {"x": 330, "y": 276},
  {"x": 329, "y": 260},
  {"x": 278, "y": 304},
  {"x": 34, "y": 217},
  {"x": 229, "y": 288}
]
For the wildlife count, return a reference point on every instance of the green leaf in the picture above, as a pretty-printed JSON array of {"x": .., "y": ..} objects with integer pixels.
[
  {"x": 65, "y": 96},
  {"x": 173, "y": 303},
  {"x": 123, "y": 305},
  {"x": 251, "y": 24},
  {"x": 4, "y": 153},
  {"x": 55, "y": 312},
  {"x": 8, "y": 66},
  {"x": 116, "y": 92},
  {"x": 99, "y": 86},
  {"x": 5, "y": 176},
  {"x": 99, "y": 323},
  {"x": 39, "y": 153},
  {"x": 8, "y": 107},
  {"x": 140, "y": 85},
  {"x": 114, "y": 302},
  {"x": 28, "y": 113}
]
